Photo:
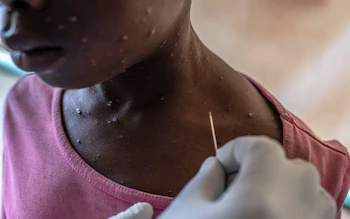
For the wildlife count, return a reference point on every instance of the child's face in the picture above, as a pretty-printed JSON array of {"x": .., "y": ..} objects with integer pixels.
[{"x": 79, "y": 43}]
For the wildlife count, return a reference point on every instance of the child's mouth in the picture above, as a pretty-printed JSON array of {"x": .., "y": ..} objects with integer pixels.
[
  {"x": 30, "y": 51},
  {"x": 42, "y": 50},
  {"x": 39, "y": 60}
]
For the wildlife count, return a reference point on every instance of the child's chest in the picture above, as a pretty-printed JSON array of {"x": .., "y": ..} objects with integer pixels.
[{"x": 156, "y": 156}]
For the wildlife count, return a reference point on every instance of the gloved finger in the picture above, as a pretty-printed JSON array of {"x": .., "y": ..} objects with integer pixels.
[
  {"x": 248, "y": 149},
  {"x": 249, "y": 152},
  {"x": 227, "y": 158},
  {"x": 326, "y": 205},
  {"x": 140, "y": 210},
  {"x": 207, "y": 185},
  {"x": 257, "y": 159}
]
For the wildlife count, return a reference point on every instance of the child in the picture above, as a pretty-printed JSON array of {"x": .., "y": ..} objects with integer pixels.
[{"x": 128, "y": 121}]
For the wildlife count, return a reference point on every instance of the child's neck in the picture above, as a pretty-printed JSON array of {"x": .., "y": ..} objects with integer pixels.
[
  {"x": 179, "y": 66},
  {"x": 182, "y": 74}
]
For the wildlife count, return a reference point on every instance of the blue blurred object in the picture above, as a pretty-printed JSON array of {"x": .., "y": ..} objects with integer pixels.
[
  {"x": 347, "y": 201},
  {"x": 7, "y": 66}
]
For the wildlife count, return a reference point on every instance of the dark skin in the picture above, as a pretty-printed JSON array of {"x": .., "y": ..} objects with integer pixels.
[{"x": 146, "y": 85}]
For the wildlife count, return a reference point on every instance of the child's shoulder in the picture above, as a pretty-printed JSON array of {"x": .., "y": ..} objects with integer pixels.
[
  {"x": 299, "y": 139},
  {"x": 299, "y": 133}
]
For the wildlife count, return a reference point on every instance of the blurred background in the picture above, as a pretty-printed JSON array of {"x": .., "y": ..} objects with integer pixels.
[{"x": 297, "y": 49}]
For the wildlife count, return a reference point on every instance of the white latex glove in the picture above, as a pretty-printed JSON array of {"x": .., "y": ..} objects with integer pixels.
[{"x": 268, "y": 186}]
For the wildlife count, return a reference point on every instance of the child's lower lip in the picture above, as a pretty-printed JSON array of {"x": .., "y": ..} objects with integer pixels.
[{"x": 39, "y": 60}]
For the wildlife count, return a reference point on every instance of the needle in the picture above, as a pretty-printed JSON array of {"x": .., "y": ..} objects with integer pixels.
[{"x": 213, "y": 132}]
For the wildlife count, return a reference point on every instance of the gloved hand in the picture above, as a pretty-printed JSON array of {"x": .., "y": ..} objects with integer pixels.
[{"x": 268, "y": 186}]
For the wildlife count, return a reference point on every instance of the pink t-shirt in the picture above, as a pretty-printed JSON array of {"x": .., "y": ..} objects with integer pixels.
[{"x": 45, "y": 178}]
